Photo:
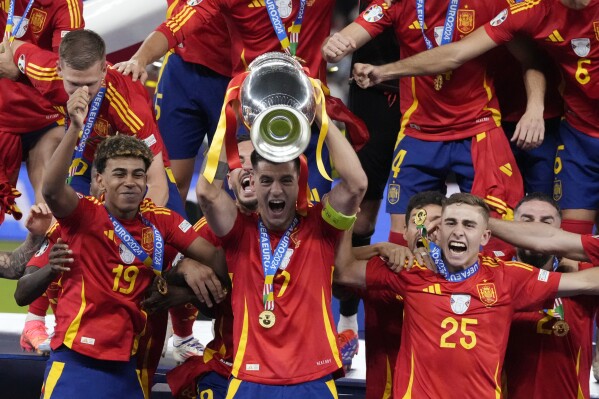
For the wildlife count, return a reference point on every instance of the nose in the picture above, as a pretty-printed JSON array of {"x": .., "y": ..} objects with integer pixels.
[{"x": 276, "y": 188}]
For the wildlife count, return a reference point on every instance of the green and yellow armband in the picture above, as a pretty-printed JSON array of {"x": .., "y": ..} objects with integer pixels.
[{"x": 337, "y": 219}]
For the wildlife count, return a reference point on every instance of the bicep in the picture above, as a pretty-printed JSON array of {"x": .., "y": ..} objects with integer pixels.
[{"x": 64, "y": 203}]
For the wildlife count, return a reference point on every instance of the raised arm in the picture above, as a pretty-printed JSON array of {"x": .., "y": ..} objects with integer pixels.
[
  {"x": 438, "y": 60},
  {"x": 157, "y": 183},
  {"x": 346, "y": 196},
  {"x": 349, "y": 270},
  {"x": 540, "y": 237},
  {"x": 344, "y": 42},
  {"x": 218, "y": 207},
  {"x": 585, "y": 282},
  {"x": 59, "y": 196}
]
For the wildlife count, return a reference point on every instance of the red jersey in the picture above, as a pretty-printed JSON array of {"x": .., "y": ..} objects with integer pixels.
[
  {"x": 383, "y": 319},
  {"x": 126, "y": 107},
  {"x": 570, "y": 37},
  {"x": 22, "y": 109},
  {"x": 466, "y": 104},
  {"x": 457, "y": 332},
  {"x": 302, "y": 303},
  {"x": 591, "y": 247},
  {"x": 252, "y": 32},
  {"x": 210, "y": 46},
  {"x": 536, "y": 358},
  {"x": 105, "y": 286}
]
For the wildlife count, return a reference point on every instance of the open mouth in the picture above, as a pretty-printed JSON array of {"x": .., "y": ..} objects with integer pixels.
[
  {"x": 276, "y": 206},
  {"x": 245, "y": 183},
  {"x": 457, "y": 247}
]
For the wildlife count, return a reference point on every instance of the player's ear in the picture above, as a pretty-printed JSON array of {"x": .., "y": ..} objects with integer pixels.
[
  {"x": 58, "y": 68},
  {"x": 486, "y": 237}
]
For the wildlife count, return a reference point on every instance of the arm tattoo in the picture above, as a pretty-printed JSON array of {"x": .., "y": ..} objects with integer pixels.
[{"x": 12, "y": 265}]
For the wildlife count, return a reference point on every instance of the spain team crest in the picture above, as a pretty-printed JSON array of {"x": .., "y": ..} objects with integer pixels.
[
  {"x": 393, "y": 194},
  {"x": 487, "y": 293},
  {"x": 102, "y": 127},
  {"x": 37, "y": 20},
  {"x": 557, "y": 190},
  {"x": 147, "y": 239},
  {"x": 465, "y": 21},
  {"x": 596, "y": 29}
]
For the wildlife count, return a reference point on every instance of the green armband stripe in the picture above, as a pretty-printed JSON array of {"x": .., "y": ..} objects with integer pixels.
[{"x": 337, "y": 219}]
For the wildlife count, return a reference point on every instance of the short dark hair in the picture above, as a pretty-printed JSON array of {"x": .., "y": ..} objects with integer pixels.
[
  {"x": 257, "y": 158},
  {"x": 538, "y": 196},
  {"x": 81, "y": 49},
  {"x": 122, "y": 146},
  {"x": 468, "y": 199},
  {"x": 423, "y": 199}
]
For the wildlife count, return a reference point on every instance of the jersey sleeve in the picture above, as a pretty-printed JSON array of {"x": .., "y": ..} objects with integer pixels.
[
  {"x": 180, "y": 233},
  {"x": 69, "y": 17},
  {"x": 40, "y": 258},
  {"x": 377, "y": 17},
  {"x": 520, "y": 18},
  {"x": 206, "y": 232},
  {"x": 382, "y": 283},
  {"x": 590, "y": 244},
  {"x": 40, "y": 68},
  {"x": 188, "y": 20},
  {"x": 532, "y": 287},
  {"x": 131, "y": 111}
]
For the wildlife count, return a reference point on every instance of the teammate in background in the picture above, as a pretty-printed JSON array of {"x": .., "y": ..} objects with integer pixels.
[
  {"x": 119, "y": 104},
  {"x": 564, "y": 28},
  {"x": 553, "y": 344},
  {"x": 276, "y": 292},
  {"x": 449, "y": 123},
  {"x": 88, "y": 359},
  {"x": 378, "y": 107},
  {"x": 249, "y": 23},
  {"x": 190, "y": 92},
  {"x": 462, "y": 315},
  {"x": 29, "y": 124},
  {"x": 13, "y": 263}
]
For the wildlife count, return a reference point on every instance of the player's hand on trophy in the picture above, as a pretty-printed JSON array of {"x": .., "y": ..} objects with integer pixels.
[
  {"x": 203, "y": 281},
  {"x": 77, "y": 106},
  {"x": 530, "y": 130},
  {"x": 337, "y": 46},
  {"x": 8, "y": 69},
  {"x": 39, "y": 219},
  {"x": 366, "y": 75},
  {"x": 60, "y": 256},
  {"x": 133, "y": 67}
]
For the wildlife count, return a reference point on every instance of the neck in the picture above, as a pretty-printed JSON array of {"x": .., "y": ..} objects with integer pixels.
[
  {"x": 455, "y": 269},
  {"x": 576, "y": 4}
]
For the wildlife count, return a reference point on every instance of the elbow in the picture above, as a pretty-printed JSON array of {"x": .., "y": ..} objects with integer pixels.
[
  {"x": 359, "y": 185},
  {"x": 20, "y": 298}
]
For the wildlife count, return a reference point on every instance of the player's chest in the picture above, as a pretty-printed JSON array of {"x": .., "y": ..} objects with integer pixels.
[
  {"x": 443, "y": 22},
  {"x": 572, "y": 37}
]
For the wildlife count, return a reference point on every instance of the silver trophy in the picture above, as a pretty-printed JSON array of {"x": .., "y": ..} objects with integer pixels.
[{"x": 278, "y": 105}]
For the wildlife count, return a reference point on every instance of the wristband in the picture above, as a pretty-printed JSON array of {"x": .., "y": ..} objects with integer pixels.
[
  {"x": 221, "y": 171},
  {"x": 337, "y": 219}
]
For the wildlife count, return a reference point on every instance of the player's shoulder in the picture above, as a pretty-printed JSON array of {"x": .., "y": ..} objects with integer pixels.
[
  {"x": 121, "y": 84},
  {"x": 149, "y": 209}
]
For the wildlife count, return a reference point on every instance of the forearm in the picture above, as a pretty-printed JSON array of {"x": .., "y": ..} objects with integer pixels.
[
  {"x": 12, "y": 265},
  {"x": 54, "y": 182},
  {"x": 366, "y": 252},
  {"x": 155, "y": 46},
  {"x": 539, "y": 237},
  {"x": 535, "y": 85},
  {"x": 33, "y": 285}
]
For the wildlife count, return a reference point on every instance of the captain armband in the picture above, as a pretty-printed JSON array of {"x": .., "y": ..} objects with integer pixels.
[{"x": 337, "y": 219}]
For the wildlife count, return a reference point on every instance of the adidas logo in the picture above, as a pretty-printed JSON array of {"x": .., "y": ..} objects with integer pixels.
[
  {"x": 507, "y": 169},
  {"x": 416, "y": 25},
  {"x": 256, "y": 4},
  {"x": 554, "y": 37},
  {"x": 433, "y": 289}
]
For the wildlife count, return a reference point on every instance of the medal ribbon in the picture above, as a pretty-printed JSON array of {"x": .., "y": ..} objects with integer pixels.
[
  {"x": 271, "y": 262},
  {"x": 132, "y": 245},
  {"x": 92, "y": 115},
  {"x": 10, "y": 20},
  {"x": 448, "y": 27},
  {"x": 437, "y": 257},
  {"x": 289, "y": 44}
]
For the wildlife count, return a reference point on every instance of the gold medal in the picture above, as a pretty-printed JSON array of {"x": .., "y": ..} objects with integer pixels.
[
  {"x": 438, "y": 82},
  {"x": 420, "y": 217},
  {"x": 561, "y": 328},
  {"x": 162, "y": 285},
  {"x": 267, "y": 319}
]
